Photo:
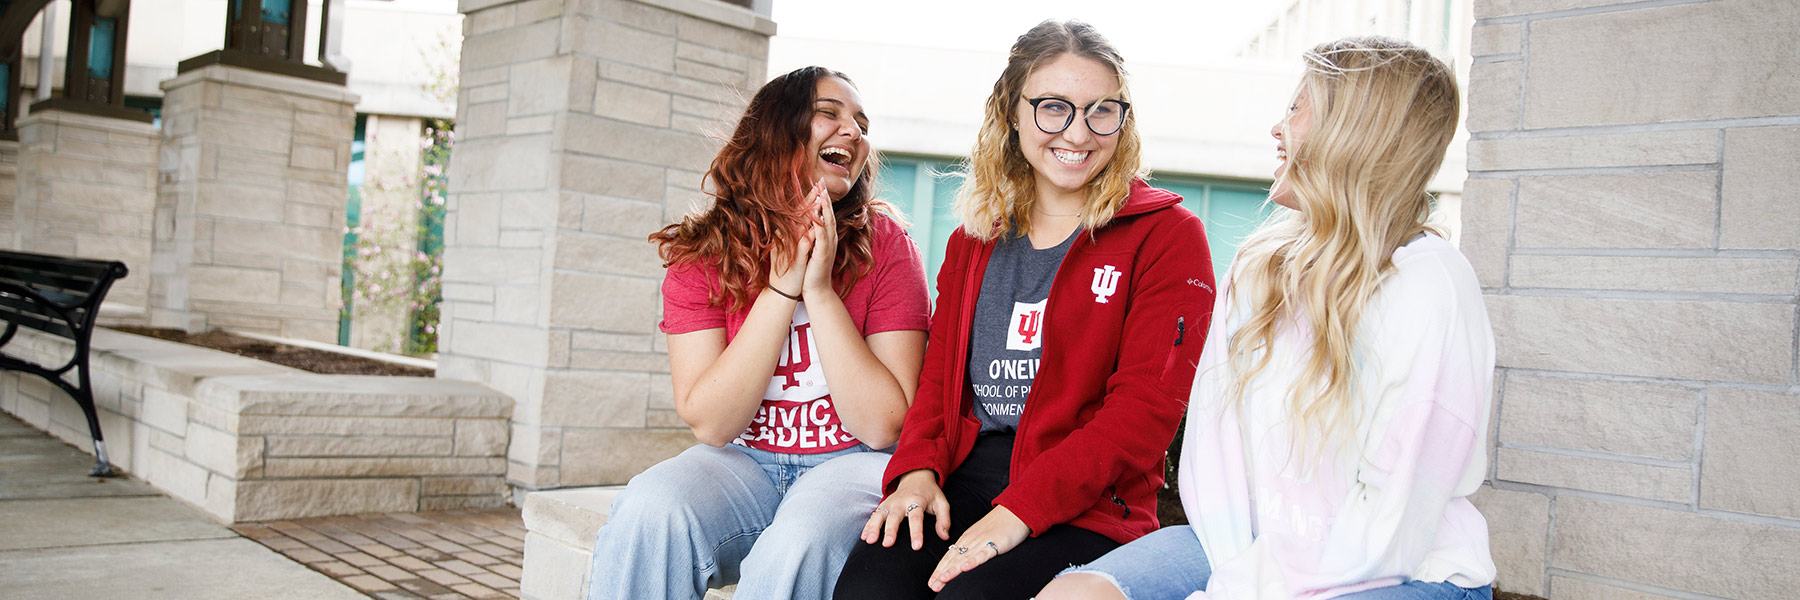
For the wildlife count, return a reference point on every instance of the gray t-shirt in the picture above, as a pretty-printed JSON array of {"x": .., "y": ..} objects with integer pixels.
[{"x": 1008, "y": 328}]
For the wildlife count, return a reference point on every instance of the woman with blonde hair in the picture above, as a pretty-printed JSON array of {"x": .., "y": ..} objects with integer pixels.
[
  {"x": 1070, "y": 308},
  {"x": 1338, "y": 421}
]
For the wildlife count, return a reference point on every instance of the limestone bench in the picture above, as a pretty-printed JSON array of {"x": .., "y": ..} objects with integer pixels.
[
  {"x": 247, "y": 440},
  {"x": 559, "y": 542}
]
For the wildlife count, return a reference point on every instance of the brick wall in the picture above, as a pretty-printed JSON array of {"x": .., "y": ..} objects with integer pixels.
[{"x": 1631, "y": 212}]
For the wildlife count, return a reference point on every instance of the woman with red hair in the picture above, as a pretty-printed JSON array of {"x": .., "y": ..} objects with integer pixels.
[{"x": 796, "y": 309}]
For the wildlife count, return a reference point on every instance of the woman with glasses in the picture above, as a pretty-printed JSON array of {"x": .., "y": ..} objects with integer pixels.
[{"x": 1071, "y": 306}]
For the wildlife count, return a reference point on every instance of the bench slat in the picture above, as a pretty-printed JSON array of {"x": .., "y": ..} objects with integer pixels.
[
  {"x": 60, "y": 287},
  {"x": 10, "y": 311}
]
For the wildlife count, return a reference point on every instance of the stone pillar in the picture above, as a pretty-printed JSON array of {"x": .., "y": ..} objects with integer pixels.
[
  {"x": 87, "y": 188},
  {"x": 389, "y": 220},
  {"x": 9, "y": 193},
  {"x": 1631, "y": 212},
  {"x": 250, "y": 210},
  {"x": 582, "y": 127}
]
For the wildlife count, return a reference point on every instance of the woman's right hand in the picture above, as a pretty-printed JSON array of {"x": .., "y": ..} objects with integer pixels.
[
  {"x": 916, "y": 494},
  {"x": 790, "y": 278}
]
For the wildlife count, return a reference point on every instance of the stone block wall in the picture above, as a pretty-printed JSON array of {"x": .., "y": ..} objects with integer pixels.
[
  {"x": 246, "y": 440},
  {"x": 559, "y": 543},
  {"x": 250, "y": 205},
  {"x": 582, "y": 127},
  {"x": 9, "y": 192},
  {"x": 86, "y": 186},
  {"x": 1632, "y": 214}
]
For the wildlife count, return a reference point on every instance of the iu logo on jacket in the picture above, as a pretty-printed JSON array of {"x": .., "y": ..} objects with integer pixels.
[{"x": 1106, "y": 282}]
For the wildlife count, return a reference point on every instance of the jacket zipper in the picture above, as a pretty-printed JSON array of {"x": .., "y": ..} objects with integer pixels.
[
  {"x": 1121, "y": 503},
  {"x": 1180, "y": 329},
  {"x": 970, "y": 294}
]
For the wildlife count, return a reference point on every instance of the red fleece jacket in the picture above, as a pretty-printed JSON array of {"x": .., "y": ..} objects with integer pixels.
[{"x": 1112, "y": 382}]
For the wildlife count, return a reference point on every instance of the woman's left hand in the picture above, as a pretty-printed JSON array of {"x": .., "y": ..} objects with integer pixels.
[
  {"x": 995, "y": 534},
  {"x": 824, "y": 248}
]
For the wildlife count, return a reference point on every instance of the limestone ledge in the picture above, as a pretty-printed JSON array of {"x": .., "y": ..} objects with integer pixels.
[
  {"x": 559, "y": 542},
  {"x": 245, "y": 439}
]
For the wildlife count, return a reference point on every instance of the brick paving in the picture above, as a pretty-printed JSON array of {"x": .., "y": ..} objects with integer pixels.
[{"x": 449, "y": 555}]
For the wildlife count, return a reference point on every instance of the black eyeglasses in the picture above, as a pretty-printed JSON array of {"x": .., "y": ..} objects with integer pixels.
[{"x": 1053, "y": 115}]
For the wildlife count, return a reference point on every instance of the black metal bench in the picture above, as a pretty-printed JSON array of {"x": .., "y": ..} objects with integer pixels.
[{"x": 59, "y": 296}]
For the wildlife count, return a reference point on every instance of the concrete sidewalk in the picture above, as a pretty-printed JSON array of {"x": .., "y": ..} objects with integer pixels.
[{"x": 64, "y": 535}]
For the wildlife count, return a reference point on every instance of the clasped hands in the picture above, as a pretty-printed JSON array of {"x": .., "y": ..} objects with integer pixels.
[
  {"x": 918, "y": 494},
  {"x": 808, "y": 271}
]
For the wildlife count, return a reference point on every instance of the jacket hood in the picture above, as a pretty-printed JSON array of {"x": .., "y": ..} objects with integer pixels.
[{"x": 1144, "y": 198}]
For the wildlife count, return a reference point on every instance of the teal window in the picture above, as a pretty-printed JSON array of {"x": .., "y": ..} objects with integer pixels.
[
  {"x": 922, "y": 191},
  {"x": 921, "y": 188},
  {"x": 273, "y": 11},
  {"x": 100, "y": 48},
  {"x": 352, "y": 220},
  {"x": 1230, "y": 210},
  {"x": 276, "y": 11}
]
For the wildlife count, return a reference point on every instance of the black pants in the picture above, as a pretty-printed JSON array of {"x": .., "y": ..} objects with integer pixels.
[{"x": 877, "y": 573}]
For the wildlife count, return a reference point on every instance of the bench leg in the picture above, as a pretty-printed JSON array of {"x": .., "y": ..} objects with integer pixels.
[
  {"x": 102, "y": 466},
  {"x": 85, "y": 397}
]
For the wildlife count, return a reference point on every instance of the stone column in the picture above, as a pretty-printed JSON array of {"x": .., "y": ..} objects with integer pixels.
[
  {"x": 389, "y": 220},
  {"x": 582, "y": 127},
  {"x": 1631, "y": 212},
  {"x": 87, "y": 188},
  {"x": 250, "y": 210},
  {"x": 9, "y": 193}
]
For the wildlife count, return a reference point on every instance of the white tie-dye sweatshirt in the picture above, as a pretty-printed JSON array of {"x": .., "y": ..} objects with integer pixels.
[{"x": 1389, "y": 505}]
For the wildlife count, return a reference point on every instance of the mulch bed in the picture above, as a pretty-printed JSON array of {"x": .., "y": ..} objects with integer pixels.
[{"x": 306, "y": 359}]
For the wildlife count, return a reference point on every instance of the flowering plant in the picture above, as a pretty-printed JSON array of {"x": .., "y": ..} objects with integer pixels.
[{"x": 394, "y": 254}]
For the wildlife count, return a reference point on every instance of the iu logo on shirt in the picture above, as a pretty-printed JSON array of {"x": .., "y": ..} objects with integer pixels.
[
  {"x": 1026, "y": 329},
  {"x": 798, "y": 376},
  {"x": 797, "y": 358},
  {"x": 1106, "y": 281}
]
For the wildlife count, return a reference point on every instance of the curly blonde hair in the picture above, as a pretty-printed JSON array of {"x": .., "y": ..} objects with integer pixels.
[
  {"x": 999, "y": 190},
  {"x": 1383, "y": 111}
]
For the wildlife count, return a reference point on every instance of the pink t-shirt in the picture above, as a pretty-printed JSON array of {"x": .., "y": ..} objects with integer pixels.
[{"x": 797, "y": 416}]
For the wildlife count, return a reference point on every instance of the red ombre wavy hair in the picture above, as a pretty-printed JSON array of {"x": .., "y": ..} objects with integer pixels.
[{"x": 757, "y": 183}]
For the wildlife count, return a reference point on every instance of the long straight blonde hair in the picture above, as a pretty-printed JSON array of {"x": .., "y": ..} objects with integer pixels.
[
  {"x": 999, "y": 188},
  {"x": 1383, "y": 112}
]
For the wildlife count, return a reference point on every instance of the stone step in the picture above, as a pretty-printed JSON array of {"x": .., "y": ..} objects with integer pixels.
[{"x": 559, "y": 543}]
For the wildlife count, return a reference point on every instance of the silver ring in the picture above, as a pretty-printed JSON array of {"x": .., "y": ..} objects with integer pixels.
[
  {"x": 883, "y": 510},
  {"x": 959, "y": 549},
  {"x": 996, "y": 549},
  {"x": 910, "y": 507}
]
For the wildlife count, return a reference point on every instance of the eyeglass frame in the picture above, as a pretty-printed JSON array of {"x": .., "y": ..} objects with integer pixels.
[{"x": 1124, "y": 112}]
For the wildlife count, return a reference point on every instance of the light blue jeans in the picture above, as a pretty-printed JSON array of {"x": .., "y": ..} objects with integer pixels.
[
  {"x": 1170, "y": 564},
  {"x": 778, "y": 525}
]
